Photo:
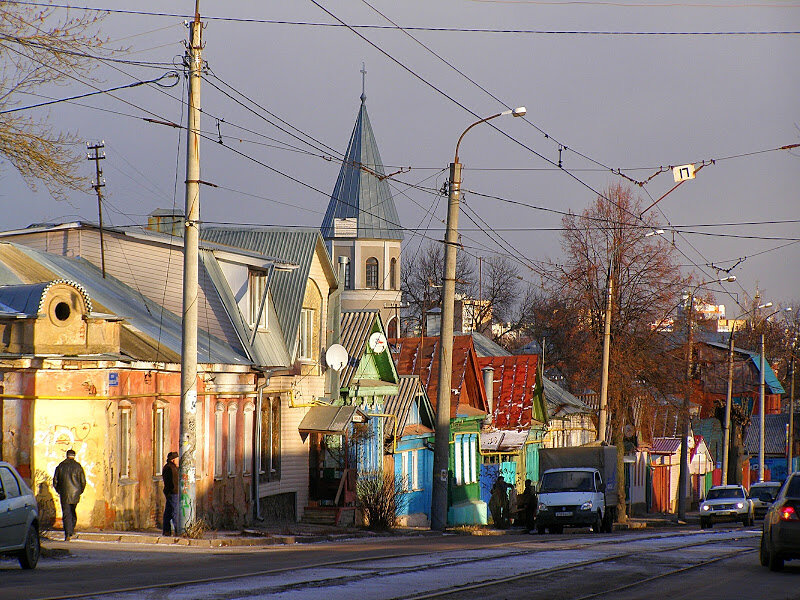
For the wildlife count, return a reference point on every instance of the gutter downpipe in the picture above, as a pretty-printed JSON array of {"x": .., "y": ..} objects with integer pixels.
[{"x": 335, "y": 320}]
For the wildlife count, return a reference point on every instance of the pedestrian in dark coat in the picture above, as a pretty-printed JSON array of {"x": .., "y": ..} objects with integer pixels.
[
  {"x": 69, "y": 481},
  {"x": 170, "y": 477}
]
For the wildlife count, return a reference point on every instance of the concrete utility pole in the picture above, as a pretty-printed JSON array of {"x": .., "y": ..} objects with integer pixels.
[
  {"x": 601, "y": 426},
  {"x": 441, "y": 449},
  {"x": 726, "y": 439},
  {"x": 791, "y": 414},
  {"x": 98, "y": 184},
  {"x": 188, "y": 435},
  {"x": 761, "y": 413}
]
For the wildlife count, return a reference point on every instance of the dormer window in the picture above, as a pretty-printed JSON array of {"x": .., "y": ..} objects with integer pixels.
[{"x": 257, "y": 285}]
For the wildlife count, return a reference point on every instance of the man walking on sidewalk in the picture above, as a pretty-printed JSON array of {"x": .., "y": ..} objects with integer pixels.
[
  {"x": 169, "y": 475},
  {"x": 69, "y": 481}
]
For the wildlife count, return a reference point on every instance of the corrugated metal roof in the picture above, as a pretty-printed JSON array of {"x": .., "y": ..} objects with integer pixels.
[
  {"x": 330, "y": 419},
  {"x": 665, "y": 445},
  {"x": 356, "y": 327},
  {"x": 503, "y": 440},
  {"x": 288, "y": 288},
  {"x": 770, "y": 379},
  {"x": 774, "y": 434},
  {"x": 361, "y": 191},
  {"x": 413, "y": 357},
  {"x": 560, "y": 402},
  {"x": 514, "y": 386},
  {"x": 485, "y": 347},
  {"x": 153, "y": 333},
  {"x": 399, "y": 405}
]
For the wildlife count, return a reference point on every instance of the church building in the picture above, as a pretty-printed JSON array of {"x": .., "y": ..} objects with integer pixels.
[{"x": 361, "y": 228}]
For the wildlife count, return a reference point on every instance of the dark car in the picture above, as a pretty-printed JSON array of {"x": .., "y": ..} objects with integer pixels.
[
  {"x": 19, "y": 518},
  {"x": 780, "y": 537}
]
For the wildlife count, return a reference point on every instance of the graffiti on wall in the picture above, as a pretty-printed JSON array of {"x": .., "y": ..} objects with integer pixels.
[{"x": 52, "y": 445}]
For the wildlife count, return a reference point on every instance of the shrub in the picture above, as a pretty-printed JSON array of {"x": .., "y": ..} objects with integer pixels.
[{"x": 380, "y": 497}]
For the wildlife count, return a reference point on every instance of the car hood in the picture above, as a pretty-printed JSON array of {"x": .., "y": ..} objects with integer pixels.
[
  {"x": 565, "y": 498},
  {"x": 718, "y": 501}
]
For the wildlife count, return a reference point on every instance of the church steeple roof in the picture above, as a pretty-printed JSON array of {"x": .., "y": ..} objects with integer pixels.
[{"x": 362, "y": 191}]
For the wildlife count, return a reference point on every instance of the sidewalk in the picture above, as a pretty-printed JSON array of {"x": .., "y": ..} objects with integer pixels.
[{"x": 300, "y": 533}]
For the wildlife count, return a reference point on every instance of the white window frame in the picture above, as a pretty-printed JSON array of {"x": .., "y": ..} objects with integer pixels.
[
  {"x": 414, "y": 468},
  {"x": 232, "y": 410},
  {"x": 306, "y": 333},
  {"x": 219, "y": 409},
  {"x": 458, "y": 464},
  {"x": 256, "y": 282},
  {"x": 247, "y": 436}
]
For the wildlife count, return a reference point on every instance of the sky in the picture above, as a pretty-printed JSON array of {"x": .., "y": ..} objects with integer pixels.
[{"x": 634, "y": 86}]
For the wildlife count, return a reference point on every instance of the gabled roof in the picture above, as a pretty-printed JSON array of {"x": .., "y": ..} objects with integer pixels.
[
  {"x": 503, "y": 441},
  {"x": 410, "y": 390},
  {"x": 413, "y": 357},
  {"x": 149, "y": 332},
  {"x": 362, "y": 191},
  {"x": 293, "y": 244},
  {"x": 774, "y": 434},
  {"x": 770, "y": 379},
  {"x": 561, "y": 403},
  {"x": 357, "y": 326},
  {"x": 514, "y": 395},
  {"x": 486, "y": 347}
]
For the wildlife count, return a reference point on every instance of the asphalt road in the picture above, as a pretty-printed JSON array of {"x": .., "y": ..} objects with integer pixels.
[{"x": 421, "y": 564}]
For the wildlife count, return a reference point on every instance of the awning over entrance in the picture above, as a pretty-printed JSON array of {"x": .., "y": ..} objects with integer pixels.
[{"x": 331, "y": 420}]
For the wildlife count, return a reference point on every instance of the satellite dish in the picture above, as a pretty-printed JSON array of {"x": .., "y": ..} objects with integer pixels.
[
  {"x": 336, "y": 357},
  {"x": 377, "y": 342}
]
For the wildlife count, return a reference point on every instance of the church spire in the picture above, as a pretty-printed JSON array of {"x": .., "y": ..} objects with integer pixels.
[{"x": 362, "y": 192}]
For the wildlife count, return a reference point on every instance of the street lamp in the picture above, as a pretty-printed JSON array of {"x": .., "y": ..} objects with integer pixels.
[
  {"x": 603, "y": 412},
  {"x": 761, "y": 395},
  {"x": 683, "y": 481},
  {"x": 726, "y": 440},
  {"x": 441, "y": 449}
]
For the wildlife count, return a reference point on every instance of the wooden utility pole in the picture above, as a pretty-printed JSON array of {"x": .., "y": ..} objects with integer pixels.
[
  {"x": 98, "y": 184},
  {"x": 602, "y": 419},
  {"x": 188, "y": 435},
  {"x": 726, "y": 443}
]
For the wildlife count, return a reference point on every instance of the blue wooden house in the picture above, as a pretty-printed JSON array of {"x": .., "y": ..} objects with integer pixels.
[{"x": 410, "y": 446}]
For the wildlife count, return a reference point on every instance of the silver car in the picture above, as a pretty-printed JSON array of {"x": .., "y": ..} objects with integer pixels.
[
  {"x": 726, "y": 503},
  {"x": 19, "y": 518},
  {"x": 763, "y": 495}
]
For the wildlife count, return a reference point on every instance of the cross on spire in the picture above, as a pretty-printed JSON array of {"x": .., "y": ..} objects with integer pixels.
[{"x": 363, "y": 82}]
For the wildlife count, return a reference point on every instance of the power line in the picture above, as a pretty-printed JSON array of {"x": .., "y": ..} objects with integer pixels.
[{"x": 483, "y": 30}]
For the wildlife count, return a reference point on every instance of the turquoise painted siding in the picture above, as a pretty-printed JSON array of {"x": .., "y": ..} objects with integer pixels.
[{"x": 418, "y": 499}]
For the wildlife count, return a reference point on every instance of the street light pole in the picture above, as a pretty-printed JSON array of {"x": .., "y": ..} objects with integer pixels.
[
  {"x": 683, "y": 480},
  {"x": 441, "y": 451}
]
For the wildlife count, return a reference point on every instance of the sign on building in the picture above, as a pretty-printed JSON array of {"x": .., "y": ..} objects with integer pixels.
[{"x": 345, "y": 227}]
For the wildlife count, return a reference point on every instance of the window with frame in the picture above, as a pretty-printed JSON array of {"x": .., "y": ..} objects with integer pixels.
[
  {"x": 232, "y": 410},
  {"x": 125, "y": 442},
  {"x": 465, "y": 458},
  {"x": 218, "y": 449},
  {"x": 247, "y": 437},
  {"x": 307, "y": 333},
  {"x": 393, "y": 273},
  {"x": 159, "y": 440},
  {"x": 410, "y": 470},
  {"x": 270, "y": 440},
  {"x": 372, "y": 273},
  {"x": 257, "y": 283}
]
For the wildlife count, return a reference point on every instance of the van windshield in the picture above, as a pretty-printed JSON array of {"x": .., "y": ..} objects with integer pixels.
[{"x": 567, "y": 481}]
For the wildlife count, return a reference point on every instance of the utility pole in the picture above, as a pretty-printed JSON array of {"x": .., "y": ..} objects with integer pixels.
[
  {"x": 441, "y": 450},
  {"x": 683, "y": 482},
  {"x": 601, "y": 426},
  {"x": 761, "y": 413},
  {"x": 791, "y": 414},
  {"x": 98, "y": 183},
  {"x": 188, "y": 433},
  {"x": 726, "y": 443}
]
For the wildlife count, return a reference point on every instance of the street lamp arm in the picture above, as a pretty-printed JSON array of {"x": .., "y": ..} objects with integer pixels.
[{"x": 517, "y": 112}]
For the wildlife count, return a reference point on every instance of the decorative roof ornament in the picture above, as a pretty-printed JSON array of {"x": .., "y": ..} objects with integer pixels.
[{"x": 363, "y": 83}]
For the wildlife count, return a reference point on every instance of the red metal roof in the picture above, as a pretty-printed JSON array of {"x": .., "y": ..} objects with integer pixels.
[
  {"x": 514, "y": 383},
  {"x": 420, "y": 356},
  {"x": 665, "y": 445}
]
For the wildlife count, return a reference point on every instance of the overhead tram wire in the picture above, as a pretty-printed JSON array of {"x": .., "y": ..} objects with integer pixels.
[{"x": 483, "y": 30}]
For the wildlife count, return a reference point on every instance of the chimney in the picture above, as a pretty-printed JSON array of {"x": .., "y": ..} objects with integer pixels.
[{"x": 488, "y": 383}]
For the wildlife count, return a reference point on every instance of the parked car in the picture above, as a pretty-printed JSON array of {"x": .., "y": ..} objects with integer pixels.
[
  {"x": 19, "y": 518},
  {"x": 780, "y": 535},
  {"x": 726, "y": 503},
  {"x": 763, "y": 494}
]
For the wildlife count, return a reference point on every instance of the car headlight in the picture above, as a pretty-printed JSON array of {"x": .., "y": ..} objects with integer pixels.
[
  {"x": 705, "y": 507},
  {"x": 542, "y": 506},
  {"x": 587, "y": 505},
  {"x": 740, "y": 505}
]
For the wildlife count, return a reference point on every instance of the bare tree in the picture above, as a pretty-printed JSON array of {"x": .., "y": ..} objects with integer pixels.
[
  {"x": 38, "y": 50},
  {"x": 610, "y": 238}
]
